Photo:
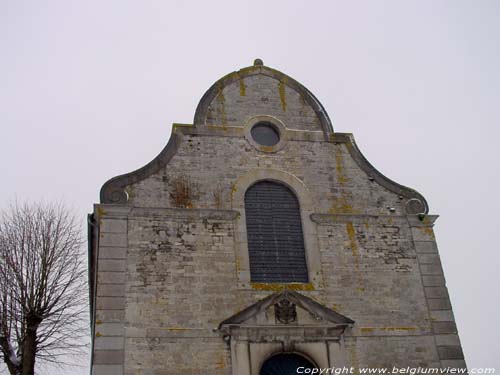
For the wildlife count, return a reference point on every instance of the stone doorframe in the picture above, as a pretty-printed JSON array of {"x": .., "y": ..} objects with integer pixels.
[{"x": 253, "y": 340}]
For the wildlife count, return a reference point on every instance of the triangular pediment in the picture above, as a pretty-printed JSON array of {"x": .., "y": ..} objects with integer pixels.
[{"x": 287, "y": 308}]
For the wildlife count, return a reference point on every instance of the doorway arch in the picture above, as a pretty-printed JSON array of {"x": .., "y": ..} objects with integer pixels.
[{"x": 286, "y": 364}]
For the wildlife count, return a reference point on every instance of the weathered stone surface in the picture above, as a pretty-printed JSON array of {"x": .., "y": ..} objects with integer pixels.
[
  {"x": 433, "y": 280},
  {"x": 108, "y": 343},
  {"x": 111, "y": 290},
  {"x": 112, "y": 252},
  {"x": 439, "y": 303},
  {"x": 444, "y": 327},
  {"x": 98, "y": 369},
  {"x": 173, "y": 260},
  {"x": 447, "y": 340},
  {"x": 108, "y": 357},
  {"x": 450, "y": 352}
]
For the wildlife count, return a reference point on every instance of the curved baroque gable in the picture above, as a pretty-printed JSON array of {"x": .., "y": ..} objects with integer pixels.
[{"x": 258, "y": 90}]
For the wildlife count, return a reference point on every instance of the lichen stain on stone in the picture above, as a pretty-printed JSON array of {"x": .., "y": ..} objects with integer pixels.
[
  {"x": 243, "y": 87},
  {"x": 182, "y": 192},
  {"x": 267, "y": 148},
  {"x": 217, "y": 195},
  {"x": 353, "y": 245},
  {"x": 354, "y": 357},
  {"x": 221, "y": 100},
  {"x": 100, "y": 212},
  {"x": 130, "y": 190},
  {"x": 176, "y": 329},
  {"x": 277, "y": 287},
  {"x": 281, "y": 89},
  {"x": 428, "y": 231},
  {"x": 221, "y": 363},
  {"x": 341, "y": 206},
  {"x": 339, "y": 164},
  {"x": 234, "y": 189}
]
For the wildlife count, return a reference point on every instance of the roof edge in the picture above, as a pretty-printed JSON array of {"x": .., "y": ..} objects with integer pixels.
[{"x": 415, "y": 204}]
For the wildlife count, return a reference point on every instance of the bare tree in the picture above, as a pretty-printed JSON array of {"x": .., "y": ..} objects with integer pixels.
[{"x": 42, "y": 286}]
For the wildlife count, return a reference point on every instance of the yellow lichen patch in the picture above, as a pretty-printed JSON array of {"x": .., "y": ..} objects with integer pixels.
[
  {"x": 351, "y": 233},
  {"x": 221, "y": 101},
  {"x": 177, "y": 125},
  {"x": 130, "y": 191},
  {"x": 332, "y": 137},
  {"x": 243, "y": 87},
  {"x": 281, "y": 89},
  {"x": 98, "y": 321},
  {"x": 234, "y": 189},
  {"x": 428, "y": 231},
  {"x": 339, "y": 164},
  {"x": 98, "y": 334},
  {"x": 176, "y": 329},
  {"x": 238, "y": 264},
  {"x": 354, "y": 358},
  {"x": 336, "y": 306},
  {"x": 276, "y": 287},
  {"x": 249, "y": 69},
  {"x": 221, "y": 363},
  {"x": 340, "y": 206},
  {"x": 267, "y": 148},
  {"x": 100, "y": 212}
]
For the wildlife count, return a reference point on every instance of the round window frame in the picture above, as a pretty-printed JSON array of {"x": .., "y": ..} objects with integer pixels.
[{"x": 278, "y": 126}]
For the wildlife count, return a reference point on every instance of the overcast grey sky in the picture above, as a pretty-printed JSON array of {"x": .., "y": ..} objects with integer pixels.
[{"x": 89, "y": 90}]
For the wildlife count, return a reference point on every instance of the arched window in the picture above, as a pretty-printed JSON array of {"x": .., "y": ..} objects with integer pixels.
[
  {"x": 274, "y": 232},
  {"x": 286, "y": 364}
]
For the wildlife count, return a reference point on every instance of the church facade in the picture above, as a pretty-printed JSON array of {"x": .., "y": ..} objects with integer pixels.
[{"x": 259, "y": 242}]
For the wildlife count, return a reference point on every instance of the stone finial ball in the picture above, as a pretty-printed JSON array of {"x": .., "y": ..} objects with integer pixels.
[{"x": 258, "y": 62}]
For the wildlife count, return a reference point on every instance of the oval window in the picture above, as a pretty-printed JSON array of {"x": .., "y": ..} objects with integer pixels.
[{"x": 265, "y": 134}]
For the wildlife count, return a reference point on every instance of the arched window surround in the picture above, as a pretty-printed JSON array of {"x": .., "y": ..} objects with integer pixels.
[{"x": 308, "y": 226}]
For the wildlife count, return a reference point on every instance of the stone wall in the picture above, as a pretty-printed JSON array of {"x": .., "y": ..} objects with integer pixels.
[{"x": 171, "y": 257}]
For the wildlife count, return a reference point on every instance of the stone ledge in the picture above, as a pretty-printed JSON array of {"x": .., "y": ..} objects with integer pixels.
[{"x": 185, "y": 213}]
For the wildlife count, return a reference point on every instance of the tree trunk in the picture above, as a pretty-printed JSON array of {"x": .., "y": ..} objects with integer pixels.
[
  {"x": 29, "y": 348},
  {"x": 8, "y": 352}
]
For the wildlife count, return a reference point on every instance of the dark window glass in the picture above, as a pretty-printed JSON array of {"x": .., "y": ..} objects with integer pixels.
[
  {"x": 285, "y": 364},
  {"x": 265, "y": 134},
  {"x": 274, "y": 232}
]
